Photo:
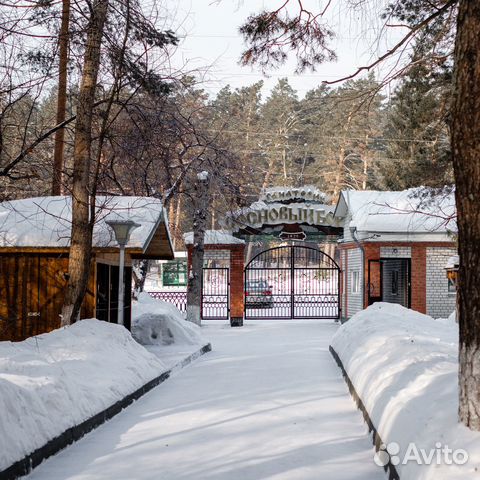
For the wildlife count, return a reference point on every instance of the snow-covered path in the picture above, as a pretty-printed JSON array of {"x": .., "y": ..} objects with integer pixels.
[{"x": 268, "y": 402}]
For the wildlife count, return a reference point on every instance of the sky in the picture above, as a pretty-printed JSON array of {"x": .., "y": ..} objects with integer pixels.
[{"x": 212, "y": 45}]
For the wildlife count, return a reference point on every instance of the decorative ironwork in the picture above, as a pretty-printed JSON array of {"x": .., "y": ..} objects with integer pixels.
[
  {"x": 292, "y": 282},
  {"x": 179, "y": 299},
  {"x": 215, "y": 293}
]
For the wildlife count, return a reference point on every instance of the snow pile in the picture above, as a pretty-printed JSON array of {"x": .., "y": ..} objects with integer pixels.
[
  {"x": 404, "y": 367},
  {"x": 156, "y": 322},
  {"x": 54, "y": 381}
]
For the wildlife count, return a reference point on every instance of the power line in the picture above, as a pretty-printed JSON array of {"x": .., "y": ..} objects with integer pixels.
[{"x": 329, "y": 137}]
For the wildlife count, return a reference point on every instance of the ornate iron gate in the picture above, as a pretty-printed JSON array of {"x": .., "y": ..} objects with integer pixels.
[
  {"x": 215, "y": 293},
  {"x": 292, "y": 282}
]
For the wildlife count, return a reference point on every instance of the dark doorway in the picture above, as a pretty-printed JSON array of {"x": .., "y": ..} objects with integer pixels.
[
  {"x": 107, "y": 294},
  {"x": 396, "y": 281}
]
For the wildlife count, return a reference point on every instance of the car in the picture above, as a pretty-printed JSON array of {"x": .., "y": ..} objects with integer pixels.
[{"x": 258, "y": 294}]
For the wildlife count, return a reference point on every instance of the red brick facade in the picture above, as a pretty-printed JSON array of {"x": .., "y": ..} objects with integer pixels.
[
  {"x": 418, "y": 272},
  {"x": 418, "y": 278},
  {"x": 236, "y": 284}
]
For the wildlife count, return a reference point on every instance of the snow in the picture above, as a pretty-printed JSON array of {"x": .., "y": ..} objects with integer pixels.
[
  {"x": 404, "y": 211},
  {"x": 453, "y": 262},
  {"x": 404, "y": 366},
  {"x": 155, "y": 322},
  {"x": 267, "y": 403},
  {"x": 54, "y": 381},
  {"x": 215, "y": 237},
  {"x": 46, "y": 221}
]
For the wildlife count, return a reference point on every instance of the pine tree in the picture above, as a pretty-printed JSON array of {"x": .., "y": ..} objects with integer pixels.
[
  {"x": 417, "y": 146},
  {"x": 279, "y": 143}
]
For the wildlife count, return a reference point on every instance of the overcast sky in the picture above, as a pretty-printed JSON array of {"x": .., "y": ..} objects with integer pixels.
[{"x": 213, "y": 45}]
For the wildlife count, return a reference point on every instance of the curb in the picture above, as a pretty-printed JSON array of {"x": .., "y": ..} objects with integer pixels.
[
  {"x": 377, "y": 441},
  {"x": 29, "y": 462}
]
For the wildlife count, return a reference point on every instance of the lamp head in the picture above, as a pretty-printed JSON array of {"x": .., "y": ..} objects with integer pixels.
[{"x": 122, "y": 230}]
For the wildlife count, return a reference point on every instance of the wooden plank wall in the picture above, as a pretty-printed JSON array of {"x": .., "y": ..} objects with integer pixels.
[{"x": 31, "y": 294}]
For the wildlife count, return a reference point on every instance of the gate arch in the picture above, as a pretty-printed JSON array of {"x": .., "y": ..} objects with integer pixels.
[{"x": 294, "y": 281}]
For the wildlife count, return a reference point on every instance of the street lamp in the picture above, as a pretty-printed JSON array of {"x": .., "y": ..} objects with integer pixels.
[{"x": 122, "y": 230}]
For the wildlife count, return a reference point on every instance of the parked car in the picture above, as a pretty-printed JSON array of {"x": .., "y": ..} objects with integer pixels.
[{"x": 258, "y": 294}]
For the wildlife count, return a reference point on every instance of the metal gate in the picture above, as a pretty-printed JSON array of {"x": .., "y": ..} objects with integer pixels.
[
  {"x": 215, "y": 293},
  {"x": 292, "y": 282}
]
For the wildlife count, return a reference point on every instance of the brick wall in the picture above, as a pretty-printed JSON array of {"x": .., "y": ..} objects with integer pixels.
[
  {"x": 429, "y": 287},
  {"x": 372, "y": 252},
  {"x": 418, "y": 279},
  {"x": 440, "y": 302},
  {"x": 395, "y": 252},
  {"x": 236, "y": 284}
]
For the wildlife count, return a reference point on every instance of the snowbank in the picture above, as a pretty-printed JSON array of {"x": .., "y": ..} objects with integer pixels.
[
  {"x": 54, "y": 381},
  {"x": 404, "y": 367},
  {"x": 156, "y": 322}
]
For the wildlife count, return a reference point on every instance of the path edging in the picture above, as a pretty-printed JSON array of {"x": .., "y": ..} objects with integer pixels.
[
  {"x": 377, "y": 441},
  {"x": 72, "y": 434}
]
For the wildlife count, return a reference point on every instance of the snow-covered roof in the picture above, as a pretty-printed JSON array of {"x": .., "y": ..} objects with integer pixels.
[
  {"x": 214, "y": 237},
  {"x": 407, "y": 211},
  {"x": 46, "y": 221}
]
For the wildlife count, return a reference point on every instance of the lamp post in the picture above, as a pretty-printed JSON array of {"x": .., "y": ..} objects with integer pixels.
[{"x": 122, "y": 230}]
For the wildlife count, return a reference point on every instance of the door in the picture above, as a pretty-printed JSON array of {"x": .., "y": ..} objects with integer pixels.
[
  {"x": 396, "y": 281},
  {"x": 107, "y": 294}
]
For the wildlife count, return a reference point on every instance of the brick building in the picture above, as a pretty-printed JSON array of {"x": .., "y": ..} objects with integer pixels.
[{"x": 394, "y": 249}]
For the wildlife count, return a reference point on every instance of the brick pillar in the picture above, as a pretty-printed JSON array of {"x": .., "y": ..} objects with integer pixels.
[
  {"x": 418, "y": 281},
  {"x": 372, "y": 252},
  {"x": 237, "y": 253}
]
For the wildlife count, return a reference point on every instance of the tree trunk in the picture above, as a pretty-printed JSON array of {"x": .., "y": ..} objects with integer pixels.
[
  {"x": 339, "y": 177},
  {"x": 466, "y": 161},
  {"x": 58, "y": 163},
  {"x": 176, "y": 228},
  {"x": 140, "y": 277},
  {"x": 82, "y": 225},
  {"x": 194, "y": 289}
]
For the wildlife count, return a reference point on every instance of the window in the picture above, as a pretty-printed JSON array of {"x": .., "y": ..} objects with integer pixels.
[
  {"x": 395, "y": 282},
  {"x": 452, "y": 285},
  {"x": 356, "y": 281},
  {"x": 174, "y": 273}
]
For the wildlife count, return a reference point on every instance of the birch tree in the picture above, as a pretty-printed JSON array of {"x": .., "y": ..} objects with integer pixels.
[
  {"x": 195, "y": 275},
  {"x": 466, "y": 162}
]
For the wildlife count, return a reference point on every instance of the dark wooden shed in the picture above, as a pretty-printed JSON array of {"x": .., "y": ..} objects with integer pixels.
[{"x": 34, "y": 249}]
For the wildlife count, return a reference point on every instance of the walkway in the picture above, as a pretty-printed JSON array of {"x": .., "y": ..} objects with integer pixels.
[{"x": 268, "y": 403}]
